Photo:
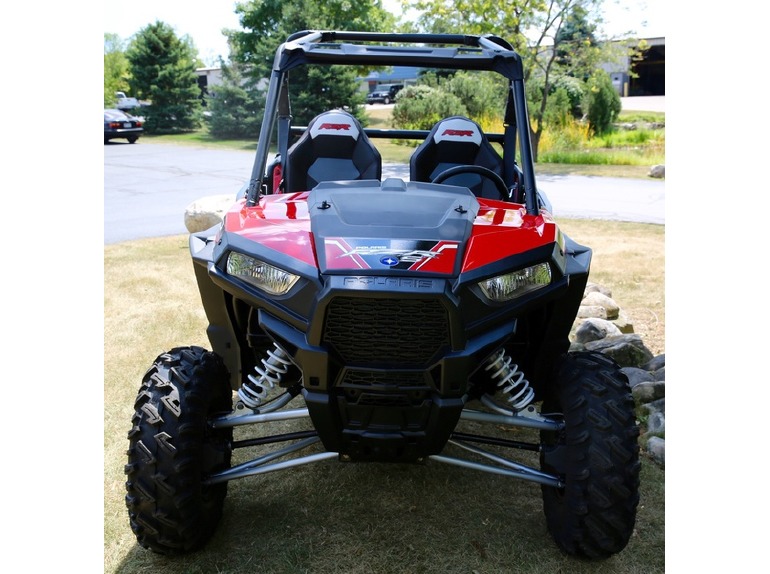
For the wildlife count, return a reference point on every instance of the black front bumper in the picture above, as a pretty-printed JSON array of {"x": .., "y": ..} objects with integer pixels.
[
  {"x": 386, "y": 361},
  {"x": 385, "y": 366}
]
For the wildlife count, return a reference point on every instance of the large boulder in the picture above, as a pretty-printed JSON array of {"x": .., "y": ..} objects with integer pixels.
[
  {"x": 593, "y": 329},
  {"x": 206, "y": 212},
  {"x": 626, "y": 350}
]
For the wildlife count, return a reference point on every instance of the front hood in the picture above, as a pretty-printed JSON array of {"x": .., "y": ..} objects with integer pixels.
[{"x": 393, "y": 226}]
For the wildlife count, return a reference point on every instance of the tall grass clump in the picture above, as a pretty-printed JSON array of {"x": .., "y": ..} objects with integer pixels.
[
  {"x": 630, "y": 138},
  {"x": 568, "y": 135},
  {"x": 573, "y": 142}
]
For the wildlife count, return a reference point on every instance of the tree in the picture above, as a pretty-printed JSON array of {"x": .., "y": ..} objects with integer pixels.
[
  {"x": 267, "y": 23},
  {"x": 235, "y": 105},
  {"x": 577, "y": 30},
  {"x": 603, "y": 102},
  {"x": 116, "y": 69},
  {"x": 163, "y": 71},
  {"x": 554, "y": 38},
  {"x": 509, "y": 20}
]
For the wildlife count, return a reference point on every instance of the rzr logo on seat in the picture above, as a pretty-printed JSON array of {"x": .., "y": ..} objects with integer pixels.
[
  {"x": 335, "y": 127},
  {"x": 451, "y": 132}
]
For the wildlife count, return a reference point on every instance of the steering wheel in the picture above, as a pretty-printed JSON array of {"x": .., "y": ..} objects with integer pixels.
[{"x": 502, "y": 189}]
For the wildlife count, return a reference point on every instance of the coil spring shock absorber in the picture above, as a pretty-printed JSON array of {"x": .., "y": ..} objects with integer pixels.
[
  {"x": 511, "y": 380},
  {"x": 254, "y": 390}
]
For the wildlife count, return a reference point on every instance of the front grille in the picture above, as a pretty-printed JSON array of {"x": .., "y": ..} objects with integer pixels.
[
  {"x": 383, "y": 379},
  {"x": 386, "y": 332}
]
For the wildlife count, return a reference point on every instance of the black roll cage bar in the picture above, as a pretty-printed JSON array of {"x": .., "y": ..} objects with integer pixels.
[{"x": 441, "y": 51}]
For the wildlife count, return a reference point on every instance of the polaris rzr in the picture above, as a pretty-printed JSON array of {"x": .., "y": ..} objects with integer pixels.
[{"x": 388, "y": 312}]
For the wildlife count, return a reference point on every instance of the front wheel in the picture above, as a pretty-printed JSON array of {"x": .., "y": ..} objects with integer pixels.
[
  {"x": 172, "y": 449},
  {"x": 596, "y": 455}
]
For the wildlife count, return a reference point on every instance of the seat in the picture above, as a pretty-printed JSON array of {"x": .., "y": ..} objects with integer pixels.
[
  {"x": 455, "y": 141},
  {"x": 333, "y": 147}
]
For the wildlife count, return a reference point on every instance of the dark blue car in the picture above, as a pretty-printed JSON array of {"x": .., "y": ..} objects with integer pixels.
[{"x": 118, "y": 124}]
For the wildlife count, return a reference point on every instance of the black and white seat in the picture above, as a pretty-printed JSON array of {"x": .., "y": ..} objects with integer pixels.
[
  {"x": 452, "y": 142},
  {"x": 333, "y": 147}
]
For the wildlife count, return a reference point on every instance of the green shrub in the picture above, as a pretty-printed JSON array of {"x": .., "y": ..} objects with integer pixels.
[
  {"x": 482, "y": 94},
  {"x": 419, "y": 107},
  {"x": 575, "y": 91},
  {"x": 603, "y": 103}
]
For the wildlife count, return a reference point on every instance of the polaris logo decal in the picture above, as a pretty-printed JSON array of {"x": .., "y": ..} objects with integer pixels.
[
  {"x": 393, "y": 257},
  {"x": 407, "y": 255}
]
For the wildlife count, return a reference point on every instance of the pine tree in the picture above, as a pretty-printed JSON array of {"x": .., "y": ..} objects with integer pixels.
[
  {"x": 235, "y": 105},
  {"x": 163, "y": 72}
]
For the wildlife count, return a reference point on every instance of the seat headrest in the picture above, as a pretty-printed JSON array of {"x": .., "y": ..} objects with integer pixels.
[
  {"x": 457, "y": 129},
  {"x": 334, "y": 124}
]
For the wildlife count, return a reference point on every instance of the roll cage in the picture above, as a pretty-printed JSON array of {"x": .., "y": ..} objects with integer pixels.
[{"x": 437, "y": 51}]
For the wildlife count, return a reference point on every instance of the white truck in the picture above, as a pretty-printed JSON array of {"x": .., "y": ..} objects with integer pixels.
[{"x": 123, "y": 102}]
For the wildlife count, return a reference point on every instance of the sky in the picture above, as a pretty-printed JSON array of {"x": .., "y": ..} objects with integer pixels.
[{"x": 204, "y": 22}]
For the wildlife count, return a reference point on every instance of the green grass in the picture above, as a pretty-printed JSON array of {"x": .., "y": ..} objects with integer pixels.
[
  {"x": 600, "y": 157},
  {"x": 629, "y": 138},
  {"x": 633, "y": 116},
  {"x": 202, "y": 138}
]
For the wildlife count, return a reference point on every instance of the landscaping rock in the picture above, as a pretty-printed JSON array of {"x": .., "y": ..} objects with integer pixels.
[
  {"x": 206, "y": 212},
  {"x": 656, "y": 446},
  {"x": 636, "y": 375},
  {"x": 594, "y": 329},
  {"x": 646, "y": 373},
  {"x": 648, "y": 391},
  {"x": 658, "y": 171},
  {"x": 626, "y": 350},
  {"x": 596, "y": 299}
]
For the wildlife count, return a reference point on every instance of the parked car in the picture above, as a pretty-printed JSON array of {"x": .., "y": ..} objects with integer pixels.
[
  {"x": 118, "y": 124},
  {"x": 123, "y": 102},
  {"x": 384, "y": 94}
]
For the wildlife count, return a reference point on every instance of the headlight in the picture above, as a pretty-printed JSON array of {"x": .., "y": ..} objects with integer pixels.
[
  {"x": 260, "y": 274},
  {"x": 516, "y": 284}
]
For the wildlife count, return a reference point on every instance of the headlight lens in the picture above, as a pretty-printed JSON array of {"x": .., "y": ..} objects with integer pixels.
[
  {"x": 260, "y": 274},
  {"x": 518, "y": 283}
]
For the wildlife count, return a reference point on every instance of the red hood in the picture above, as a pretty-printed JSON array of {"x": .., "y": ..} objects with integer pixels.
[{"x": 422, "y": 231}]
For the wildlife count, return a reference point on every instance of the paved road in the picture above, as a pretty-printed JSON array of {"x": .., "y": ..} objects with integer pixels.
[{"x": 147, "y": 188}]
